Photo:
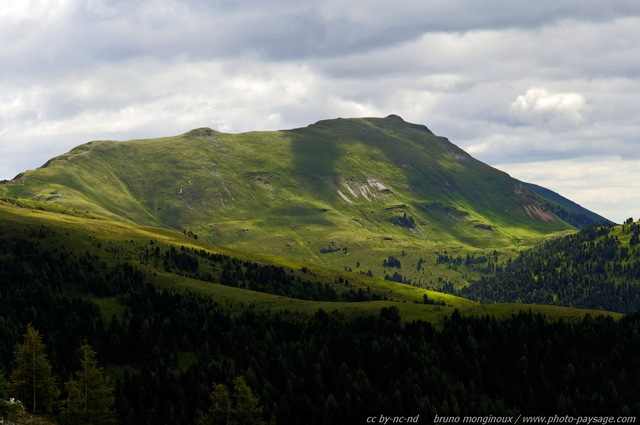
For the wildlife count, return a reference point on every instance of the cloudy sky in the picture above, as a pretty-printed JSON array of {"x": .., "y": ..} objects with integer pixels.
[{"x": 547, "y": 91}]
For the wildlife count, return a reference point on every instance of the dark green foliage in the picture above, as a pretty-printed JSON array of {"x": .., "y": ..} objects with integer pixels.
[
  {"x": 220, "y": 410},
  {"x": 34, "y": 277},
  {"x": 392, "y": 262},
  {"x": 404, "y": 221},
  {"x": 301, "y": 365},
  {"x": 448, "y": 259},
  {"x": 329, "y": 250},
  {"x": 246, "y": 407},
  {"x": 31, "y": 379},
  {"x": 397, "y": 277},
  {"x": 229, "y": 271},
  {"x": 4, "y": 387},
  {"x": 482, "y": 263},
  {"x": 427, "y": 300},
  {"x": 326, "y": 368},
  {"x": 90, "y": 394},
  {"x": 333, "y": 247},
  {"x": 472, "y": 259},
  {"x": 590, "y": 269},
  {"x": 7, "y": 409},
  {"x": 378, "y": 363},
  {"x": 180, "y": 260}
]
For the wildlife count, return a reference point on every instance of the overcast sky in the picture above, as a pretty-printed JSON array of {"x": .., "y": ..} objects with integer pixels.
[{"x": 547, "y": 91}]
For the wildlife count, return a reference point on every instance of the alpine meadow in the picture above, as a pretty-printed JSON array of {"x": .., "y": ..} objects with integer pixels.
[{"x": 342, "y": 273}]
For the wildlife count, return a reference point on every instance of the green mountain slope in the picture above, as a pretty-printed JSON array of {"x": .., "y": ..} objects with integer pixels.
[
  {"x": 599, "y": 267},
  {"x": 345, "y": 193},
  {"x": 86, "y": 254},
  {"x": 170, "y": 259},
  {"x": 566, "y": 209}
]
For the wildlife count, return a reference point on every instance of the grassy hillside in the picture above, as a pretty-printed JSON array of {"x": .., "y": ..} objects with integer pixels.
[
  {"x": 344, "y": 193},
  {"x": 112, "y": 243}
]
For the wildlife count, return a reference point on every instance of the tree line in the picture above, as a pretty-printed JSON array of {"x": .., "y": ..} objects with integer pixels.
[
  {"x": 591, "y": 269},
  {"x": 230, "y": 271},
  {"x": 172, "y": 355}
]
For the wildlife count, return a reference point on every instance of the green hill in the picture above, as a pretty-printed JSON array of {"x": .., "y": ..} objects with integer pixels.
[
  {"x": 599, "y": 267},
  {"x": 90, "y": 250},
  {"x": 169, "y": 259},
  {"x": 344, "y": 193}
]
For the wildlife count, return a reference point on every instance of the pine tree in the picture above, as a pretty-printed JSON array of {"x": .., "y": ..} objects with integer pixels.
[
  {"x": 220, "y": 410},
  {"x": 90, "y": 393},
  {"x": 31, "y": 380},
  {"x": 247, "y": 408},
  {"x": 240, "y": 408}
]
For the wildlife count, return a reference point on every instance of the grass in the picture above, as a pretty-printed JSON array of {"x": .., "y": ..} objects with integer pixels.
[
  {"x": 110, "y": 308},
  {"x": 95, "y": 235}
]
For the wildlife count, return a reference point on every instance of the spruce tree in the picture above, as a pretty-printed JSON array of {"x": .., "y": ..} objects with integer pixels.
[
  {"x": 242, "y": 407},
  {"x": 247, "y": 408},
  {"x": 90, "y": 393},
  {"x": 31, "y": 380},
  {"x": 220, "y": 410}
]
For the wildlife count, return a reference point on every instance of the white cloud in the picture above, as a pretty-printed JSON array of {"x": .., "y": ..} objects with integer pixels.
[
  {"x": 150, "y": 98},
  {"x": 13, "y": 11},
  {"x": 538, "y": 105}
]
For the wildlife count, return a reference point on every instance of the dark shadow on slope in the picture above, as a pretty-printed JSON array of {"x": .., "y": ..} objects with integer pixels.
[
  {"x": 315, "y": 151},
  {"x": 318, "y": 147}
]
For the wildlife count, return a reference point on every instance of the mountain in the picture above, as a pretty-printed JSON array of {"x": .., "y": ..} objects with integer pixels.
[
  {"x": 345, "y": 193},
  {"x": 567, "y": 209}
]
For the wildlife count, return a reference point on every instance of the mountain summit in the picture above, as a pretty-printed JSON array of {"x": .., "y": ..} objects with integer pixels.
[{"x": 341, "y": 192}]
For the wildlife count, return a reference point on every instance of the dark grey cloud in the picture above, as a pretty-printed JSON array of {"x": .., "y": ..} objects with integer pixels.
[{"x": 81, "y": 32}]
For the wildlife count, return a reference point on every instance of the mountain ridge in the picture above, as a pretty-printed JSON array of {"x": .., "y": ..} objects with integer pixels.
[
  {"x": 573, "y": 212},
  {"x": 372, "y": 187}
]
